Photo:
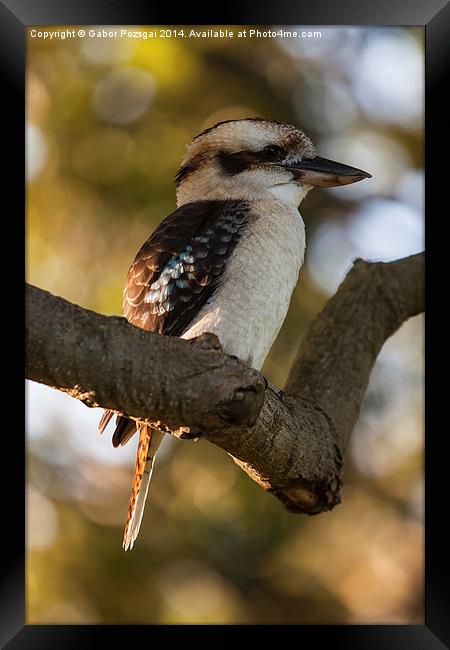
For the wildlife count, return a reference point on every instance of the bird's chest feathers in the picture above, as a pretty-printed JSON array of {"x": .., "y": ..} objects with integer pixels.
[
  {"x": 252, "y": 299},
  {"x": 263, "y": 269}
]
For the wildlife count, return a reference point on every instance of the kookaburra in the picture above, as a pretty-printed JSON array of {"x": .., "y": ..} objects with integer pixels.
[{"x": 227, "y": 259}]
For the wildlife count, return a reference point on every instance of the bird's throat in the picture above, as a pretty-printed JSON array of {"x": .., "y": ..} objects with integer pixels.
[{"x": 290, "y": 193}]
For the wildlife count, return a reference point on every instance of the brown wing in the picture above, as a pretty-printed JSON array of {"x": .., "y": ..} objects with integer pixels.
[{"x": 177, "y": 269}]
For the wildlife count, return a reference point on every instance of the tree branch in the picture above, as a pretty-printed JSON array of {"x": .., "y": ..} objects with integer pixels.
[
  {"x": 105, "y": 361},
  {"x": 292, "y": 447}
]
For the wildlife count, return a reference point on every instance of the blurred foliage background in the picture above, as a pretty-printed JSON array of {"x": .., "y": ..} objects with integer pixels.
[{"x": 107, "y": 122}]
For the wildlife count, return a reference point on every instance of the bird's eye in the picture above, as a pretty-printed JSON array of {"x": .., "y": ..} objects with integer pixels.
[{"x": 273, "y": 153}]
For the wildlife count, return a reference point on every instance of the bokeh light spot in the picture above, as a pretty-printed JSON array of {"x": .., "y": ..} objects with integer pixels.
[
  {"x": 123, "y": 95},
  {"x": 36, "y": 151}
]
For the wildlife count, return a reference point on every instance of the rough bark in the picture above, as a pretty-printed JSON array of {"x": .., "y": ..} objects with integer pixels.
[{"x": 292, "y": 446}]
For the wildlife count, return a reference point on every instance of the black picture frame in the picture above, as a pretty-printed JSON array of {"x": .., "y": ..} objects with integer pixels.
[{"x": 15, "y": 17}]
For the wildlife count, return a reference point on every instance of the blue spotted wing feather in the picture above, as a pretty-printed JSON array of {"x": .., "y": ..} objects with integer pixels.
[{"x": 179, "y": 267}]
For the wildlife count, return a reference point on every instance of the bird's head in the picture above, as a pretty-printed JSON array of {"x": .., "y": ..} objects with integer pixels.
[{"x": 256, "y": 158}]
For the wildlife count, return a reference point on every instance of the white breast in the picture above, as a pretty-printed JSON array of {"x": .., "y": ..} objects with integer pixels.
[{"x": 249, "y": 306}]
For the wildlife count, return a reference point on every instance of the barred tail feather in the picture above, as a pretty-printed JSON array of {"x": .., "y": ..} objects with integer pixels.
[
  {"x": 134, "y": 521},
  {"x": 149, "y": 441}
]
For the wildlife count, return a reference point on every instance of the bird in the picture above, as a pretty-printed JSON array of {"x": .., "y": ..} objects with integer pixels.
[{"x": 226, "y": 261}]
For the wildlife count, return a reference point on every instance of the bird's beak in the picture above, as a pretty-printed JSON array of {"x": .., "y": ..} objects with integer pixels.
[{"x": 321, "y": 172}]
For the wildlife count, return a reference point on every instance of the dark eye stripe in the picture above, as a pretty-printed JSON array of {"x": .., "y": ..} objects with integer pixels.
[
  {"x": 235, "y": 163},
  {"x": 232, "y": 163}
]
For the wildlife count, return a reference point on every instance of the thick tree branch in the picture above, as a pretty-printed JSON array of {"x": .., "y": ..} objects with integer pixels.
[{"x": 292, "y": 447}]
